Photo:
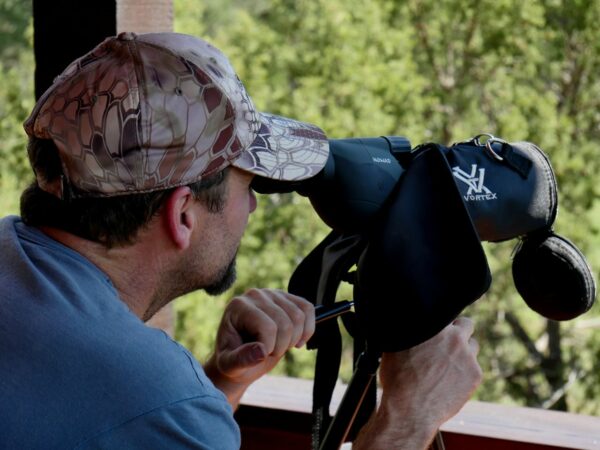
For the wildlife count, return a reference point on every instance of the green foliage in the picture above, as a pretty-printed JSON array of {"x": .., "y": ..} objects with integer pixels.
[
  {"x": 433, "y": 71},
  {"x": 14, "y": 39},
  {"x": 16, "y": 99}
]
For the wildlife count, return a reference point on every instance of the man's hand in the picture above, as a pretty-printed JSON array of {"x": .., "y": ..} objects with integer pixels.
[
  {"x": 256, "y": 330},
  {"x": 422, "y": 388}
]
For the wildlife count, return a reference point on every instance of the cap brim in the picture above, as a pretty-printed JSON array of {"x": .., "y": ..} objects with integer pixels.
[{"x": 285, "y": 149}]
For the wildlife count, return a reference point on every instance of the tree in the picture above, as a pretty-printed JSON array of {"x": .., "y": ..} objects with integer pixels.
[
  {"x": 16, "y": 99},
  {"x": 437, "y": 71}
]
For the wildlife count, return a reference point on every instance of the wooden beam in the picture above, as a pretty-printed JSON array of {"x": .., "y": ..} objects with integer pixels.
[
  {"x": 275, "y": 413},
  {"x": 67, "y": 29},
  {"x": 144, "y": 16}
]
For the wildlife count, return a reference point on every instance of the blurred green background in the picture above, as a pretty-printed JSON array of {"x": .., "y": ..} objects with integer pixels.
[{"x": 443, "y": 71}]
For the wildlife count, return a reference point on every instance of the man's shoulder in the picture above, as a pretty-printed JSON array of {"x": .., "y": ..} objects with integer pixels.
[
  {"x": 153, "y": 390},
  {"x": 198, "y": 422},
  {"x": 108, "y": 378},
  {"x": 148, "y": 359}
]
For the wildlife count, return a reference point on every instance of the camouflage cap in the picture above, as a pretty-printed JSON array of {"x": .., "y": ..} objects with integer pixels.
[{"x": 152, "y": 111}]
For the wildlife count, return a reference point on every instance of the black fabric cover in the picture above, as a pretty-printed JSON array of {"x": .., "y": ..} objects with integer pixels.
[
  {"x": 424, "y": 263},
  {"x": 506, "y": 198}
]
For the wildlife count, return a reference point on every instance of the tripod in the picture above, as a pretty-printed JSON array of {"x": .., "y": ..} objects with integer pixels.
[{"x": 365, "y": 372}]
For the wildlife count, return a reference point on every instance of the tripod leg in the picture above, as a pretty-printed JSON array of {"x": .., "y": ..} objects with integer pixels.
[{"x": 366, "y": 370}]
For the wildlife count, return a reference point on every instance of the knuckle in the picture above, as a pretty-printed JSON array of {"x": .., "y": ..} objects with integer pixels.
[
  {"x": 297, "y": 315},
  {"x": 463, "y": 323},
  {"x": 300, "y": 301},
  {"x": 286, "y": 327},
  {"x": 237, "y": 302},
  {"x": 269, "y": 327},
  {"x": 465, "y": 320},
  {"x": 304, "y": 304},
  {"x": 455, "y": 339},
  {"x": 253, "y": 292}
]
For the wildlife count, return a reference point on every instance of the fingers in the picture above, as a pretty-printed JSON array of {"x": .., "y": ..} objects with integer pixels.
[
  {"x": 464, "y": 325},
  {"x": 466, "y": 328},
  {"x": 437, "y": 376},
  {"x": 256, "y": 330},
  {"x": 248, "y": 323},
  {"x": 275, "y": 318},
  {"x": 474, "y": 345},
  {"x": 242, "y": 357},
  {"x": 466, "y": 341},
  {"x": 299, "y": 312},
  {"x": 308, "y": 315}
]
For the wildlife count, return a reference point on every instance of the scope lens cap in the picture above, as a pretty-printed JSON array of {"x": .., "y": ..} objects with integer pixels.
[{"x": 553, "y": 277}]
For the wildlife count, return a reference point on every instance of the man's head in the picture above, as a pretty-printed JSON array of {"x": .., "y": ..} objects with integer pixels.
[
  {"x": 140, "y": 116},
  {"x": 155, "y": 111},
  {"x": 143, "y": 114}
]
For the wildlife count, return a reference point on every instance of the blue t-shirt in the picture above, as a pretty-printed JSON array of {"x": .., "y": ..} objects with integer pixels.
[{"x": 78, "y": 370}]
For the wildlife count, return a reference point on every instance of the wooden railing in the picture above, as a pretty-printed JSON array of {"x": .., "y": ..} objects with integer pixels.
[{"x": 275, "y": 414}]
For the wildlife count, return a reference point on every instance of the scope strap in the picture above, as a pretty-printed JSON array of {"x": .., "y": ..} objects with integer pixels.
[
  {"x": 305, "y": 280},
  {"x": 317, "y": 278},
  {"x": 327, "y": 368}
]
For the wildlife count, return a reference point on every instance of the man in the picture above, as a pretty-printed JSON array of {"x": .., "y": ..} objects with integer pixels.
[{"x": 144, "y": 151}]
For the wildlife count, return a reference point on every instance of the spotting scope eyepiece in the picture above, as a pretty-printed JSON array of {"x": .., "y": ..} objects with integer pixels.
[{"x": 358, "y": 177}]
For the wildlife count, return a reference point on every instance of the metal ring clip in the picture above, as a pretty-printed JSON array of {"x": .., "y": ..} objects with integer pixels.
[
  {"x": 478, "y": 142},
  {"x": 488, "y": 144},
  {"x": 490, "y": 150}
]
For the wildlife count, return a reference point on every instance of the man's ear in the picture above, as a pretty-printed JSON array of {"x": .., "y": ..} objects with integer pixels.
[{"x": 179, "y": 216}]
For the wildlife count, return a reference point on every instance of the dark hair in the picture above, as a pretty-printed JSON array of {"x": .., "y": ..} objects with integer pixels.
[{"x": 111, "y": 221}]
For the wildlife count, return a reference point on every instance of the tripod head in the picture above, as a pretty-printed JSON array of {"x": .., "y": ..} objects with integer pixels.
[{"x": 358, "y": 177}]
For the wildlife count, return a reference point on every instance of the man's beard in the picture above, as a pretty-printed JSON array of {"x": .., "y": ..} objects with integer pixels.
[
  {"x": 215, "y": 285},
  {"x": 225, "y": 280}
]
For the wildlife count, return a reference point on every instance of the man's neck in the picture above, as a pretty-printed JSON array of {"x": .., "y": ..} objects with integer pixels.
[{"x": 123, "y": 265}]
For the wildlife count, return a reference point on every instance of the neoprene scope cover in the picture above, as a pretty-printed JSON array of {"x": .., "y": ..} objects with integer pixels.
[
  {"x": 423, "y": 263},
  {"x": 509, "y": 189},
  {"x": 553, "y": 277}
]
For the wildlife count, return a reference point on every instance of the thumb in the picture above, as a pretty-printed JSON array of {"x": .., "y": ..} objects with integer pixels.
[{"x": 242, "y": 357}]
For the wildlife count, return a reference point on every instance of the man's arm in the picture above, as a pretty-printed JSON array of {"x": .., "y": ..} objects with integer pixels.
[
  {"x": 422, "y": 388},
  {"x": 256, "y": 330}
]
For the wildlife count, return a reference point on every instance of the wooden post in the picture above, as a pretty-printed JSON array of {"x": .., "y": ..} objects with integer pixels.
[
  {"x": 145, "y": 16},
  {"x": 67, "y": 29}
]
